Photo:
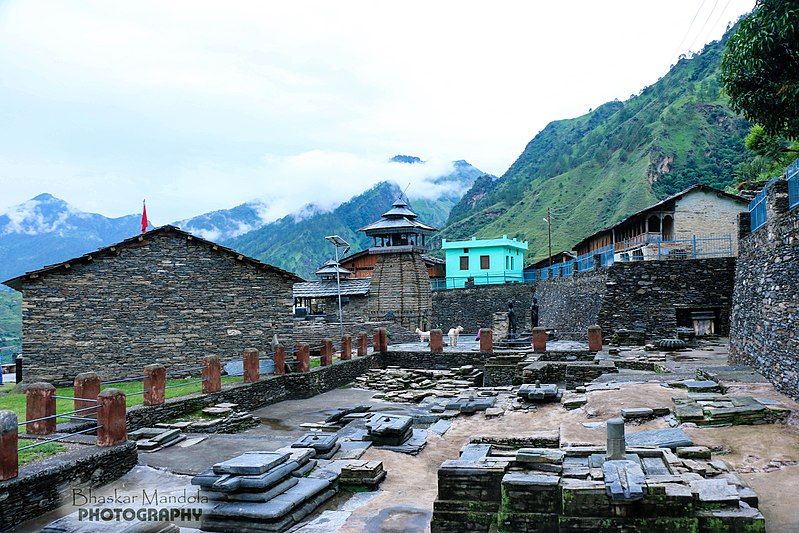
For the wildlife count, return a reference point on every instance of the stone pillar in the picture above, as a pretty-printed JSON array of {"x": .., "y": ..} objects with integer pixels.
[
  {"x": 111, "y": 418},
  {"x": 539, "y": 340},
  {"x": 212, "y": 374},
  {"x": 303, "y": 357},
  {"x": 486, "y": 340},
  {"x": 594, "y": 338},
  {"x": 616, "y": 447},
  {"x": 39, "y": 403},
  {"x": 776, "y": 199},
  {"x": 154, "y": 384},
  {"x": 87, "y": 386},
  {"x": 280, "y": 360},
  {"x": 363, "y": 344},
  {"x": 436, "y": 341},
  {"x": 383, "y": 335},
  {"x": 744, "y": 224},
  {"x": 376, "y": 341},
  {"x": 9, "y": 457},
  {"x": 346, "y": 348},
  {"x": 252, "y": 367},
  {"x": 327, "y": 352}
]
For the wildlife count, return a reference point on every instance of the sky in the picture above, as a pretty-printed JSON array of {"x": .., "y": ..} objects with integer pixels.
[{"x": 198, "y": 106}]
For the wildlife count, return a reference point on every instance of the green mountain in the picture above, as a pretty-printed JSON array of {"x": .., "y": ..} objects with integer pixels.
[
  {"x": 596, "y": 169},
  {"x": 10, "y": 325},
  {"x": 297, "y": 243}
]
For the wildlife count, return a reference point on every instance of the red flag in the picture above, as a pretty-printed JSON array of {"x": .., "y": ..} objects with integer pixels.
[{"x": 143, "y": 217}]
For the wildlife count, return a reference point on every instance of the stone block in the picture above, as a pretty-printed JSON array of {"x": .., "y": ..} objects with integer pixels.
[
  {"x": 436, "y": 341},
  {"x": 346, "y": 348},
  {"x": 280, "y": 360},
  {"x": 252, "y": 366},
  {"x": 693, "y": 452},
  {"x": 251, "y": 463},
  {"x": 86, "y": 389},
  {"x": 363, "y": 344},
  {"x": 486, "y": 340},
  {"x": 9, "y": 456},
  {"x": 624, "y": 480},
  {"x": 530, "y": 493},
  {"x": 594, "y": 338},
  {"x": 540, "y": 456},
  {"x": 40, "y": 403},
  {"x": 211, "y": 374},
  {"x": 660, "y": 438},
  {"x": 327, "y": 353},
  {"x": 111, "y": 418},
  {"x": 303, "y": 357},
  {"x": 154, "y": 384},
  {"x": 539, "y": 340},
  {"x": 637, "y": 412},
  {"x": 581, "y": 497}
]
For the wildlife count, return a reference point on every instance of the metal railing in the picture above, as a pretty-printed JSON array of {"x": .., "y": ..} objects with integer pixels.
[
  {"x": 459, "y": 282},
  {"x": 69, "y": 415},
  {"x": 792, "y": 176},
  {"x": 757, "y": 207}
]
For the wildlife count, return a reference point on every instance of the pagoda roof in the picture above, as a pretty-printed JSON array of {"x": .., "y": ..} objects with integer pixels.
[{"x": 399, "y": 217}]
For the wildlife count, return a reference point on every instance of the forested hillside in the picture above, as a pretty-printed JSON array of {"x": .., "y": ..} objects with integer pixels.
[{"x": 596, "y": 169}]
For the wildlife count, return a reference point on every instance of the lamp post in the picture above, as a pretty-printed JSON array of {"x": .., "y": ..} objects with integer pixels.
[{"x": 338, "y": 242}]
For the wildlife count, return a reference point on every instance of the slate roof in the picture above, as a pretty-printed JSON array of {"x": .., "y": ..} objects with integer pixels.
[
  {"x": 399, "y": 217},
  {"x": 326, "y": 289},
  {"x": 16, "y": 283}
]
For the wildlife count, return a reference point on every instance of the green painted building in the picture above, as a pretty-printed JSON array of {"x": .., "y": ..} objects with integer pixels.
[{"x": 488, "y": 261}]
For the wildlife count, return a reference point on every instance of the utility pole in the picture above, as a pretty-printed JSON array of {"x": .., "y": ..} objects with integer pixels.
[{"x": 549, "y": 234}]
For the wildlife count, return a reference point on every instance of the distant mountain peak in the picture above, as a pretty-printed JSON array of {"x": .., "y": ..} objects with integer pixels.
[{"x": 410, "y": 159}]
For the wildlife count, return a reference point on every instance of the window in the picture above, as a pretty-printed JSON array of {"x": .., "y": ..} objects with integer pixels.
[
  {"x": 464, "y": 262},
  {"x": 485, "y": 262},
  {"x": 511, "y": 264},
  {"x": 507, "y": 263}
]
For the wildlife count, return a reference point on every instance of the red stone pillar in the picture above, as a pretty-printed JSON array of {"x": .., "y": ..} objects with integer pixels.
[
  {"x": 40, "y": 402},
  {"x": 111, "y": 418},
  {"x": 346, "y": 348},
  {"x": 303, "y": 357},
  {"x": 252, "y": 367},
  {"x": 383, "y": 334},
  {"x": 87, "y": 387},
  {"x": 154, "y": 384},
  {"x": 594, "y": 338},
  {"x": 376, "y": 341},
  {"x": 363, "y": 344},
  {"x": 436, "y": 341},
  {"x": 9, "y": 458},
  {"x": 539, "y": 340},
  {"x": 486, "y": 340},
  {"x": 327, "y": 352},
  {"x": 280, "y": 360},
  {"x": 212, "y": 374}
]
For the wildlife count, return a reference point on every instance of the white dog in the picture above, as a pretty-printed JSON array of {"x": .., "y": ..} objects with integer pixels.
[
  {"x": 453, "y": 334},
  {"x": 423, "y": 335}
]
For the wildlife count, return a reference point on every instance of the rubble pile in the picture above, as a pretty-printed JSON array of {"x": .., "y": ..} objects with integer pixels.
[
  {"x": 413, "y": 385},
  {"x": 154, "y": 439},
  {"x": 219, "y": 418},
  {"x": 262, "y": 491},
  {"x": 715, "y": 409},
  {"x": 536, "y": 392},
  {"x": 362, "y": 474}
]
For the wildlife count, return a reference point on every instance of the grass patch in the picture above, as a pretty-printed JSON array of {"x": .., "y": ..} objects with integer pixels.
[
  {"x": 15, "y": 401},
  {"x": 39, "y": 452}
]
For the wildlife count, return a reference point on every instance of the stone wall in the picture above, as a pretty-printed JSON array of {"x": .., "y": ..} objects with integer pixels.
[
  {"x": 426, "y": 359},
  {"x": 475, "y": 307},
  {"x": 44, "y": 485},
  {"x": 570, "y": 305},
  {"x": 165, "y": 299},
  {"x": 645, "y": 295},
  {"x": 765, "y": 316},
  {"x": 314, "y": 330},
  {"x": 270, "y": 389}
]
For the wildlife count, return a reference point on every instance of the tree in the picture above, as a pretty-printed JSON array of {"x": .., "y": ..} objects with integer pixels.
[{"x": 760, "y": 69}]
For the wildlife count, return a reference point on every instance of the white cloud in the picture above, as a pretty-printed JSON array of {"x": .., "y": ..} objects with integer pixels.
[{"x": 198, "y": 105}]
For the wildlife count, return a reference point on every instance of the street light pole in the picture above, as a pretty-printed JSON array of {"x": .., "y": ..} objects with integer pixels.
[{"x": 338, "y": 289}]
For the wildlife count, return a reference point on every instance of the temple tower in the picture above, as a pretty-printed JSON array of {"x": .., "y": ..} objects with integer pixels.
[{"x": 400, "y": 286}]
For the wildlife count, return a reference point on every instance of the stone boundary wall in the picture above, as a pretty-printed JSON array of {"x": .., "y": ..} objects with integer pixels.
[
  {"x": 644, "y": 295},
  {"x": 474, "y": 307},
  {"x": 44, "y": 485},
  {"x": 268, "y": 390},
  {"x": 432, "y": 361},
  {"x": 570, "y": 305},
  {"x": 765, "y": 314},
  {"x": 315, "y": 330}
]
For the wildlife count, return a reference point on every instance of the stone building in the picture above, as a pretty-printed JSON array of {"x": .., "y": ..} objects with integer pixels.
[
  {"x": 484, "y": 261},
  {"x": 668, "y": 228},
  {"x": 400, "y": 284},
  {"x": 320, "y": 297},
  {"x": 765, "y": 314},
  {"x": 362, "y": 264},
  {"x": 164, "y": 296}
]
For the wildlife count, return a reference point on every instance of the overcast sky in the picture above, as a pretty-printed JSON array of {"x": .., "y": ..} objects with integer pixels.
[{"x": 203, "y": 105}]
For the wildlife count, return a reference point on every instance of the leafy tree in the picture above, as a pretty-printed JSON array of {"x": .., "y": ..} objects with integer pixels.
[{"x": 760, "y": 69}]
